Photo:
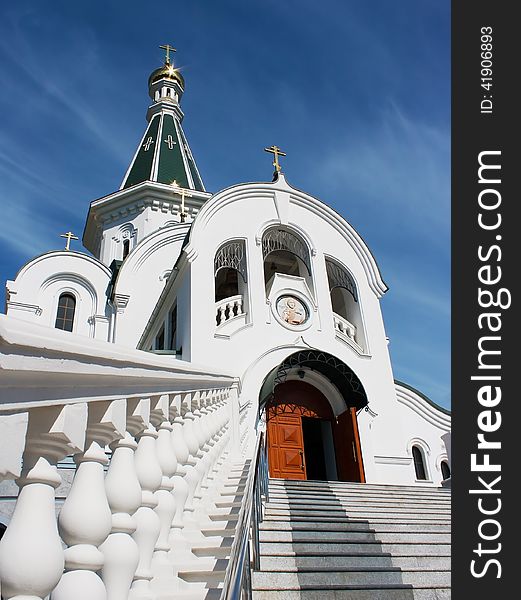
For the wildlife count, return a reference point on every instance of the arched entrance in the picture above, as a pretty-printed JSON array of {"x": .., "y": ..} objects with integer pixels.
[{"x": 310, "y": 403}]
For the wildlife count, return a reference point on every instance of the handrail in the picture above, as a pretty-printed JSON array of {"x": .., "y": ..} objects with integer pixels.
[{"x": 237, "y": 581}]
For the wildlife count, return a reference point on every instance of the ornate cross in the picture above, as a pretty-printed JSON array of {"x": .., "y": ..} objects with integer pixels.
[
  {"x": 276, "y": 151},
  {"x": 147, "y": 144},
  {"x": 170, "y": 142},
  {"x": 168, "y": 49},
  {"x": 183, "y": 193},
  {"x": 70, "y": 236}
]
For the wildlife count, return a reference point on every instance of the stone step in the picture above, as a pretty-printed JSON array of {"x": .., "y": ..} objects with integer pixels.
[
  {"x": 343, "y": 485},
  {"x": 424, "y": 548},
  {"x": 319, "y": 510},
  {"x": 358, "y": 514},
  {"x": 359, "y": 498},
  {"x": 398, "y": 593},
  {"x": 321, "y": 503},
  {"x": 362, "y": 489},
  {"x": 333, "y": 563},
  {"x": 432, "y": 520},
  {"x": 347, "y": 526},
  {"x": 310, "y": 536},
  {"x": 348, "y": 579}
]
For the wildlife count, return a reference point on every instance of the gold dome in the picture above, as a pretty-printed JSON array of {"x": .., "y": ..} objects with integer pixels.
[{"x": 167, "y": 71}]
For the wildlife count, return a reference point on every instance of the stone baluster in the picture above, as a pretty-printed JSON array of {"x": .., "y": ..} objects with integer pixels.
[
  {"x": 121, "y": 553},
  {"x": 147, "y": 522},
  {"x": 31, "y": 553},
  {"x": 191, "y": 475},
  {"x": 164, "y": 581},
  {"x": 179, "y": 546},
  {"x": 85, "y": 519}
]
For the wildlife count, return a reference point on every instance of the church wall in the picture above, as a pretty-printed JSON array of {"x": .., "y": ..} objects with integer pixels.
[
  {"x": 262, "y": 343},
  {"x": 142, "y": 278},
  {"x": 34, "y": 294}
]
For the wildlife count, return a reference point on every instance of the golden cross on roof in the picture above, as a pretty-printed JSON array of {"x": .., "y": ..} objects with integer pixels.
[
  {"x": 183, "y": 193},
  {"x": 168, "y": 49},
  {"x": 70, "y": 236},
  {"x": 276, "y": 151}
]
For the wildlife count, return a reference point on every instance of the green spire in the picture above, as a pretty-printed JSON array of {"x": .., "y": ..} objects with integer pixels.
[{"x": 163, "y": 154}]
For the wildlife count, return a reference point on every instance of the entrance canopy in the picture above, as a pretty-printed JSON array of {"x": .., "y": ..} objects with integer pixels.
[{"x": 342, "y": 376}]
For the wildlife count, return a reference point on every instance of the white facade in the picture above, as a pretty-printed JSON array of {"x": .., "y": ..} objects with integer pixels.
[
  {"x": 177, "y": 330},
  {"x": 151, "y": 284}
]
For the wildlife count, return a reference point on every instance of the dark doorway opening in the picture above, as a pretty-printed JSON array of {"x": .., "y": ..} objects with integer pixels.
[{"x": 314, "y": 448}]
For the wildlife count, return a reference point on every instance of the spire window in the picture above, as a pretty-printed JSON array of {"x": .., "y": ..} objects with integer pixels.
[{"x": 65, "y": 312}]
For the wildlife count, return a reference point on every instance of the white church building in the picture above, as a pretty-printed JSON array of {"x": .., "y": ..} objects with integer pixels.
[{"x": 192, "y": 322}]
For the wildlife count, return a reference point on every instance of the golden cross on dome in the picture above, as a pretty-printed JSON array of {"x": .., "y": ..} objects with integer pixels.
[
  {"x": 183, "y": 193},
  {"x": 168, "y": 49},
  {"x": 70, "y": 236},
  {"x": 276, "y": 151}
]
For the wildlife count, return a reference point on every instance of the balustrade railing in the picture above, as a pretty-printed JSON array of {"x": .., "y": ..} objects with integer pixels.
[
  {"x": 119, "y": 530},
  {"x": 228, "y": 308},
  {"x": 245, "y": 552},
  {"x": 344, "y": 326}
]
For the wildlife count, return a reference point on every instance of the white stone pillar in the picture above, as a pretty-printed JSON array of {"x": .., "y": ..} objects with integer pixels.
[
  {"x": 85, "y": 519},
  {"x": 120, "y": 551},
  {"x": 31, "y": 553},
  {"x": 147, "y": 522},
  {"x": 163, "y": 581}
]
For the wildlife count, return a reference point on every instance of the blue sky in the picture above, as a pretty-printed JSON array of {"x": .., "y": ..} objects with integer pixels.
[{"x": 356, "y": 92}]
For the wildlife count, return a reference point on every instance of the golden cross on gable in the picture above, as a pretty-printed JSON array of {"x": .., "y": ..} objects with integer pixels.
[
  {"x": 276, "y": 151},
  {"x": 168, "y": 49},
  {"x": 183, "y": 193},
  {"x": 70, "y": 236}
]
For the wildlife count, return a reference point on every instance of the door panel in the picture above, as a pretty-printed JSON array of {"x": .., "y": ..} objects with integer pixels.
[{"x": 286, "y": 447}]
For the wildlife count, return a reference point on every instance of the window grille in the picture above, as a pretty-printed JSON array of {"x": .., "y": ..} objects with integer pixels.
[
  {"x": 231, "y": 255},
  {"x": 280, "y": 239},
  {"x": 339, "y": 277}
]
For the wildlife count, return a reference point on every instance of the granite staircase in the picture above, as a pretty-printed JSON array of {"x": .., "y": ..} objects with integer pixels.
[{"x": 325, "y": 540}]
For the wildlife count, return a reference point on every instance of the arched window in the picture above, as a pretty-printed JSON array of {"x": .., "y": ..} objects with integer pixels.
[
  {"x": 284, "y": 252},
  {"x": 231, "y": 276},
  {"x": 126, "y": 248},
  {"x": 419, "y": 464},
  {"x": 445, "y": 470},
  {"x": 65, "y": 313},
  {"x": 345, "y": 302}
]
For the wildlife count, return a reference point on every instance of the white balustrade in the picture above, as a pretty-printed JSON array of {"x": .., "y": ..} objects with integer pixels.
[
  {"x": 120, "y": 533},
  {"x": 344, "y": 326},
  {"x": 228, "y": 308}
]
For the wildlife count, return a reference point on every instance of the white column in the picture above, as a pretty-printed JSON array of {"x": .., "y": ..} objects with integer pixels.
[
  {"x": 120, "y": 551},
  {"x": 147, "y": 522},
  {"x": 85, "y": 519},
  {"x": 179, "y": 546},
  {"x": 163, "y": 581},
  {"x": 31, "y": 554}
]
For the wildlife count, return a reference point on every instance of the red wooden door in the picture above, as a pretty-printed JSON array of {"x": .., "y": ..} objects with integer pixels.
[{"x": 286, "y": 447}]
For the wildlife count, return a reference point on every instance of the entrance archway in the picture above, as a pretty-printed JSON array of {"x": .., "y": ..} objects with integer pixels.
[{"x": 310, "y": 434}]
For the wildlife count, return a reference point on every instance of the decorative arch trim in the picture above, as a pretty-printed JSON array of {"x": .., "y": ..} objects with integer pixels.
[
  {"x": 260, "y": 191},
  {"x": 340, "y": 375}
]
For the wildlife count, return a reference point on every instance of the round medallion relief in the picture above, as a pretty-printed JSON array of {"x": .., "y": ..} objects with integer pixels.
[{"x": 291, "y": 310}]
